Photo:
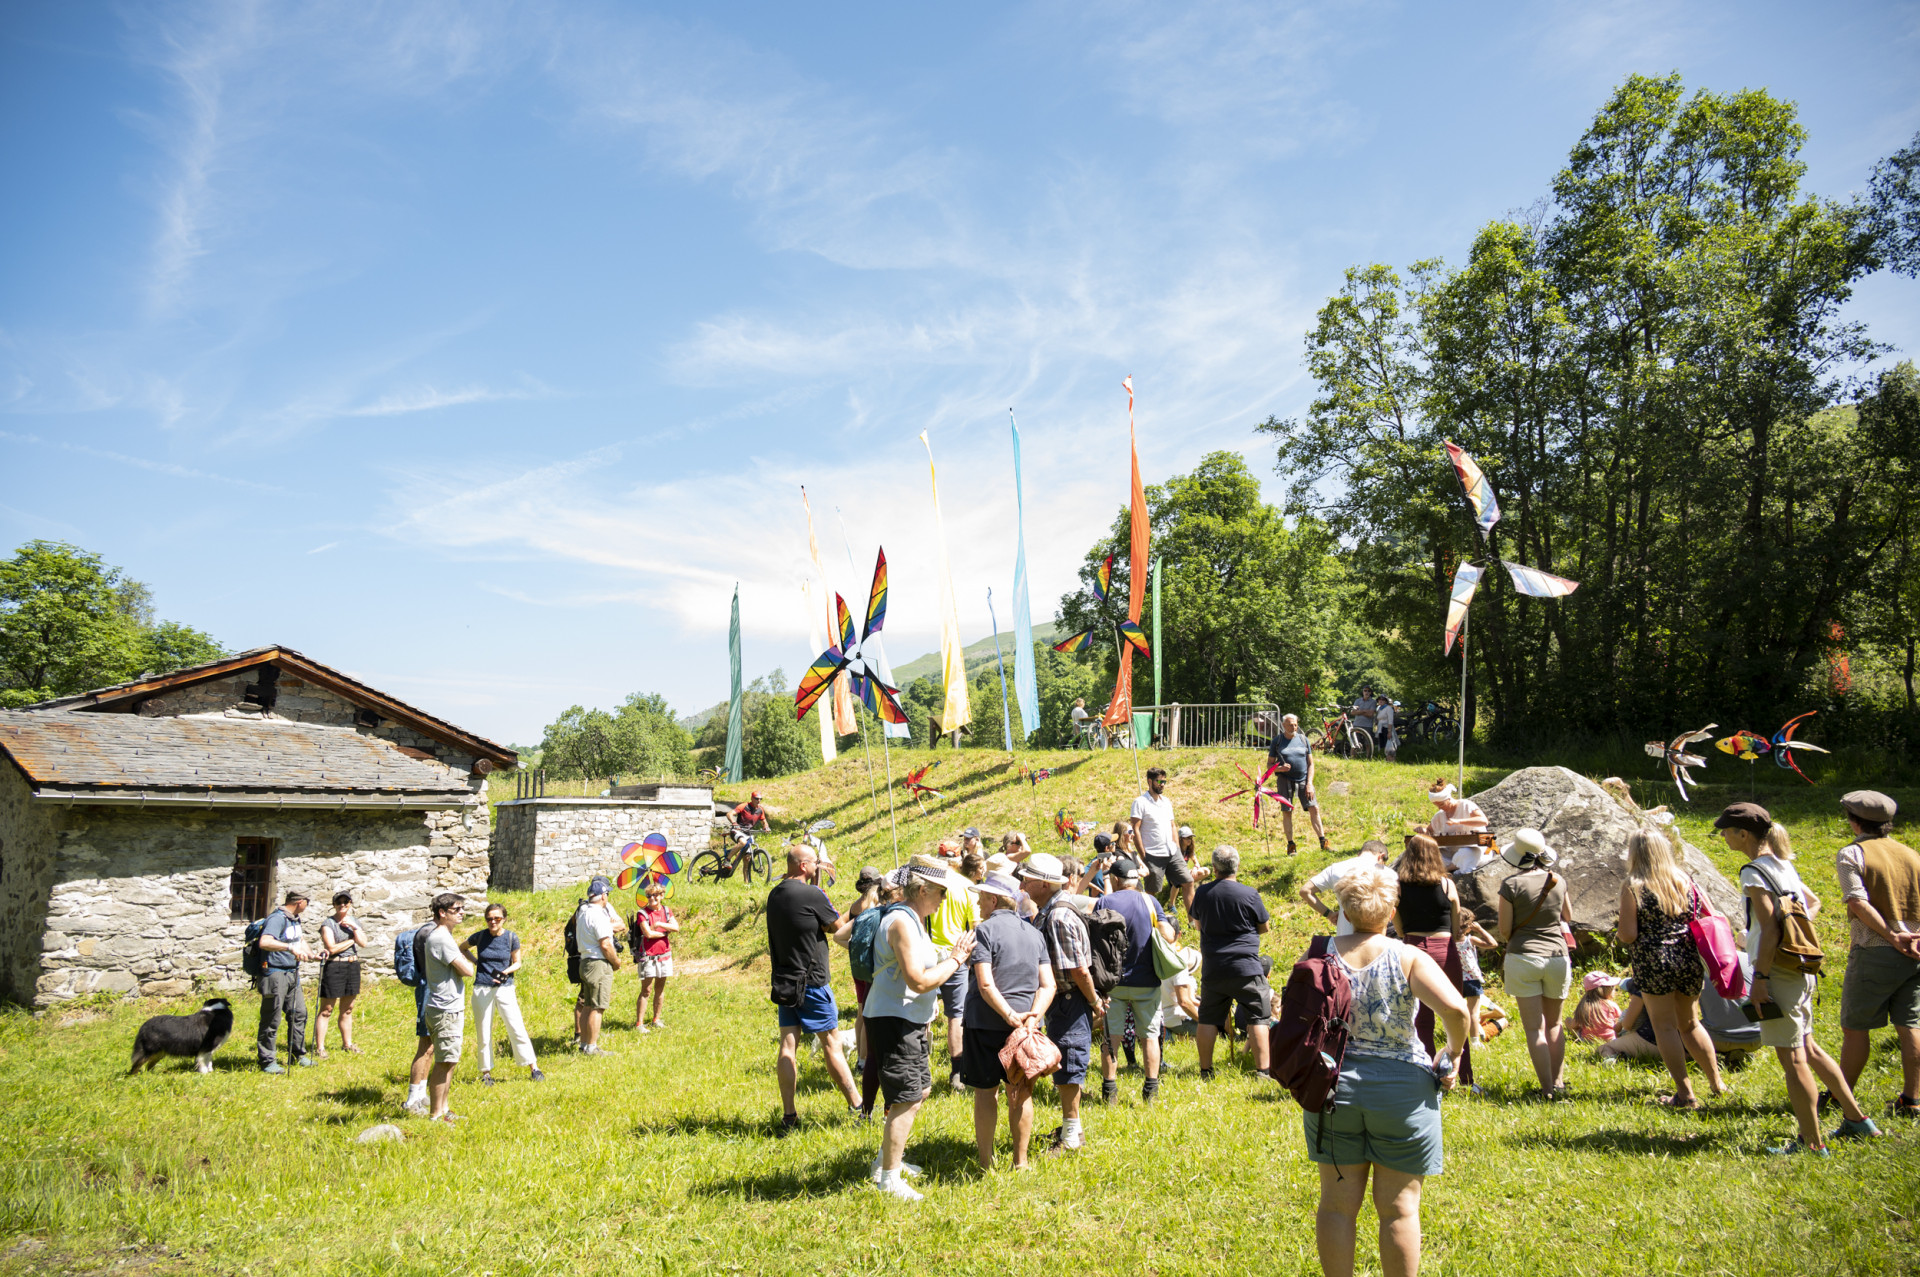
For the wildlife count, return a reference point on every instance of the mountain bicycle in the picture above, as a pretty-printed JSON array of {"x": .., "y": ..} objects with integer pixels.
[
  {"x": 1339, "y": 735},
  {"x": 746, "y": 856},
  {"x": 1431, "y": 724}
]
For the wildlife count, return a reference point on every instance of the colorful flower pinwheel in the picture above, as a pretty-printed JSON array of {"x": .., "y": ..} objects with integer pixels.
[{"x": 647, "y": 861}]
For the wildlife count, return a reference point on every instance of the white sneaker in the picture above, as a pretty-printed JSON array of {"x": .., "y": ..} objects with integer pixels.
[
  {"x": 419, "y": 1108},
  {"x": 659, "y": 1024},
  {"x": 897, "y": 1187},
  {"x": 639, "y": 1028},
  {"x": 907, "y": 1169}
]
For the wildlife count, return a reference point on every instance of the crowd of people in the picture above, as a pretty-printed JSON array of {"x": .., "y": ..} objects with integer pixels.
[{"x": 1031, "y": 959}]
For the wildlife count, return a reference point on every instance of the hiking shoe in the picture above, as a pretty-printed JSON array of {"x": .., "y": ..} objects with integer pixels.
[
  {"x": 639, "y": 1028},
  {"x": 1796, "y": 1145},
  {"x": 1109, "y": 1091},
  {"x": 419, "y": 1107},
  {"x": 273, "y": 1068},
  {"x": 1325, "y": 845},
  {"x": 591, "y": 1050},
  {"x": 788, "y": 1125},
  {"x": 305, "y": 1062},
  {"x": 1206, "y": 1075},
  {"x": 486, "y": 1079},
  {"x": 895, "y": 1186},
  {"x": 1292, "y": 846},
  {"x": 1906, "y": 1106},
  {"x": 1149, "y": 1089},
  {"x": 1849, "y": 1129},
  {"x": 537, "y": 1076}
]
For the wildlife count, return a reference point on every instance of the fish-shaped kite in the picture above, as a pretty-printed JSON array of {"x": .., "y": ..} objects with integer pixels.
[
  {"x": 1743, "y": 744},
  {"x": 1784, "y": 744},
  {"x": 1674, "y": 754},
  {"x": 846, "y": 655},
  {"x": 1259, "y": 790}
]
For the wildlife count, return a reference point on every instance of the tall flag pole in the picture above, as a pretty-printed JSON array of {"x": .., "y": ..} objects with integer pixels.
[
  {"x": 1121, "y": 711},
  {"x": 1026, "y": 688},
  {"x": 955, "y": 712},
  {"x": 736, "y": 769},
  {"x": 1006, "y": 712}
]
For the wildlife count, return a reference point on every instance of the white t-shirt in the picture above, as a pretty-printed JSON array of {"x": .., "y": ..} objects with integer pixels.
[
  {"x": 1156, "y": 825},
  {"x": 446, "y": 987},
  {"x": 1330, "y": 877},
  {"x": 1785, "y": 877},
  {"x": 596, "y": 923},
  {"x": 1170, "y": 1010},
  {"x": 1463, "y": 809}
]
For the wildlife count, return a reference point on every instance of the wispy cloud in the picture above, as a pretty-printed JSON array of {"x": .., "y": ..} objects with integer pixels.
[
  {"x": 427, "y": 399},
  {"x": 322, "y": 549},
  {"x": 143, "y": 463}
]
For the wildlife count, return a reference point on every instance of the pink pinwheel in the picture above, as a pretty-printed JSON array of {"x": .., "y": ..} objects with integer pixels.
[{"x": 1259, "y": 790}]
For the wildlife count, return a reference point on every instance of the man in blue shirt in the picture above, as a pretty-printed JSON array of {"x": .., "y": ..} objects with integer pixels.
[
  {"x": 1292, "y": 755},
  {"x": 1139, "y": 987},
  {"x": 285, "y": 949}
]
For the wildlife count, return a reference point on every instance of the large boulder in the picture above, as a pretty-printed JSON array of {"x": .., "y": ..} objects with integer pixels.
[{"x": 1589, "y": 828}]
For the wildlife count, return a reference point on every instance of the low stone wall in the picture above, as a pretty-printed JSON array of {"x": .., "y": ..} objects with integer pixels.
[
  {"x": 541, "y": 843},
  {"x": 112, "y": 899}
]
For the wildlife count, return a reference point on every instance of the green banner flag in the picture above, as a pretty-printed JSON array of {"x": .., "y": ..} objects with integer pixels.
[{"x": 736, "y": 769}]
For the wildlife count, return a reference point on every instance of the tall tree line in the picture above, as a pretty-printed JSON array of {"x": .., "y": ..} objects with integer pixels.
[{"x": 1653, "y": 368}]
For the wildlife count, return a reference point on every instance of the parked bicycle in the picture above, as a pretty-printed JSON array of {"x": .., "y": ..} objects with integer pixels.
[
  {"x": 1339, "y": 735},
  {"x": 1431, "y": 724}
]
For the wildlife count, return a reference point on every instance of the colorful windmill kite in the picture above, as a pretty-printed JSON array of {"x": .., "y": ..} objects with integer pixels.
[
  {"x": 846, "y": 655},
  {"x": 1037, "y": 775},
  {"x": 1103, "y": 579},
  {"x": 1538, "y": 584},
  {"x": 1135, "y": 637},
  {"x": 917, "y": 786},
  {"x": 1674, "y": 754},
  {"x": 1784, "y": 744},
  {"x": 1743, "y": 744},
  {"x": 1486, "y": 509},
  {"x": 1466, "y": 579},
  {"x": 649, "y": 860},
  {"x": 1259, "y": 790}
]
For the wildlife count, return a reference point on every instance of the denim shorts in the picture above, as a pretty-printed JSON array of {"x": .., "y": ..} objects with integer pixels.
[
  {"x": 1386, "y": 1112},
  {"x": 816, "y": 1013},
  {"x": 953, "y": 994},
  {"x": 1070, "y": 1025}
]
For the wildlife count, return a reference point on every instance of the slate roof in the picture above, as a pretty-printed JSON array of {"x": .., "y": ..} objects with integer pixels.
[
  {"x": 106, "y": 752},
  {"x": 129, "y": 695}
]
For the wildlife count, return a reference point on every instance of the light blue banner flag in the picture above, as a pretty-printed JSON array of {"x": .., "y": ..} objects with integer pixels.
[
  {"x": 735, "y": 769},
  {"x": 1026, "y": 690}
]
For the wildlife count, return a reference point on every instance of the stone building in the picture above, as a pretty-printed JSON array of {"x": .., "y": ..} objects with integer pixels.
[
  {"x": 554, "y": 842},
  {"x": 142, "y": 826}
]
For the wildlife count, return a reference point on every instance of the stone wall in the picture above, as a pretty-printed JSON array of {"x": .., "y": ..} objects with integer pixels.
[
  {"x": 295, "y": 700},
  {"x": 540, "y": 843},
  {"x": 124, "y": 900}
]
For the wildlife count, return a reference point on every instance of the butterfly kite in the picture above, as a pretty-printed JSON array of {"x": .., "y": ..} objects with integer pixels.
[
  {"x": 1784, "y": 744},
  {"x": 847, "y": 655},
  {"x": 646, "y": 862},
  {"x": 1674, "y": 754},
  {"x": 1259, "y": 790},
  {"x": 917, "y": 786}
]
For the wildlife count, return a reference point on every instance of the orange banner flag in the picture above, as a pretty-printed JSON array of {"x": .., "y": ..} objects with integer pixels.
[{"x": 1118, "y": 713}]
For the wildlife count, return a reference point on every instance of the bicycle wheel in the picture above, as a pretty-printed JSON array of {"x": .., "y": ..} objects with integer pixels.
[
  {"x": 704, "y": 867},
  {"x": 1317, "y": 740},
  {"x": 1359, "y": 743},
  {"x": 761, "y": 865}
]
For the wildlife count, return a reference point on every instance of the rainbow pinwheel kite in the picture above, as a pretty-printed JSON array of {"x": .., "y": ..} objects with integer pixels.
[
  {"x": 1103, "y": 579},
  {"x": 1784, "y": 744},
  {"x": 1128, "y": 632},
  {"x": 1075, "y": 642},
  {"x": 1674, "y": 754},
  {"x": 1259, "y": 790},
  {"x": 649, "y": 860},
  {"x": 846, "y": 655}
]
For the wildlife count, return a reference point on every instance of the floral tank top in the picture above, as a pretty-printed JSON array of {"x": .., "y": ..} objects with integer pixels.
[{"x": 1380, "y": 1022}]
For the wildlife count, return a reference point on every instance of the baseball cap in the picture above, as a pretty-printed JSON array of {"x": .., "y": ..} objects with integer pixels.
[
  {"x": 598, "y": 887},
  {"x": 1185, "y": 831},
  {"x": 1598, "y": 980},
  {"x": 970, "y": 832},
  {"x": 1102, "y": 841},
  {"x": 1751, "y": 817},
  {"x": 1869, "y": 805},
  {"x": 1125, "y": 868},
  {"x": 868, "y": 876}
]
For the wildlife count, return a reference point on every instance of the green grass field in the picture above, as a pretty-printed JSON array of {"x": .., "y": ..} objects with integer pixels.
[{"x": 659, "y": 1158}]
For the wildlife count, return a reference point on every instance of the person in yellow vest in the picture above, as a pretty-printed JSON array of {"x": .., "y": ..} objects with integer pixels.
[{"x": 1880, "y": 882}]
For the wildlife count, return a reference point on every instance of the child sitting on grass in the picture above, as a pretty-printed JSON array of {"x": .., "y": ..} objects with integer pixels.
[{"x": 1597, "y": 1016}]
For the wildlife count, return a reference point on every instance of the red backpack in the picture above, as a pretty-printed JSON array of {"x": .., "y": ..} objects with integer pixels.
[{"x": 1309, "y": 1036}]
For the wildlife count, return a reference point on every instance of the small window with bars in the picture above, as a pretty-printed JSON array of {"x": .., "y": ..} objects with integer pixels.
[{"x": 252, "y": 886}]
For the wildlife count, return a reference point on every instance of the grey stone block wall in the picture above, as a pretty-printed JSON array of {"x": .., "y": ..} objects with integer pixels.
[
  {"x": 129, "y": 901},
  {"x": 541, "y": 843}
]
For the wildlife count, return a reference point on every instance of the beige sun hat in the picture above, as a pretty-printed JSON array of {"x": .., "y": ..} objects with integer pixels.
[{"x": 1528, "y": 850}]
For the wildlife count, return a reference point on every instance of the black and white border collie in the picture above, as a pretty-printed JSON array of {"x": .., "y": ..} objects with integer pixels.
[{"x": 198, "y": 1035}]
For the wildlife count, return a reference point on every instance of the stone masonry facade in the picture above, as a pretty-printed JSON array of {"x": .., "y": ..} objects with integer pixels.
[
  {"x": 116, "y": 899},
  {"x": 541, "y": 843}
]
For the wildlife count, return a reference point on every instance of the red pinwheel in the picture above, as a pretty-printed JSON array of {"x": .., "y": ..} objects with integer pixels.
[
  {"x": 916, "y": 783},
  {"x": 1259, "y": 790}
]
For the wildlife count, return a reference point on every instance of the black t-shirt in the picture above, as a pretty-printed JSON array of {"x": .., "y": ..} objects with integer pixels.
[
  {"x": 797, "y": 912},
  {"x": 1228, "y": 915},
  {"x": 492, "y": 955}
]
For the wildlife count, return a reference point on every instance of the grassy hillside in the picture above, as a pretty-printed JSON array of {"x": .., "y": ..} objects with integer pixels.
[{"x": 660, "y": 1157}]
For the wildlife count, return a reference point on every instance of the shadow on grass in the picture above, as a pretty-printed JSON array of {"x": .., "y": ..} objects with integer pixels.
[
  {"x": 940, "y": 1158},
  {"x": 1638, "y": 1143}
]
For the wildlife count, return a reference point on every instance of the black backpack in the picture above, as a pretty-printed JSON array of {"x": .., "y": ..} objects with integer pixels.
[
  {"x": 573, "y": 945},
  {"x": 253, "y": 959},
  {"x": 1107, "y": 936}
]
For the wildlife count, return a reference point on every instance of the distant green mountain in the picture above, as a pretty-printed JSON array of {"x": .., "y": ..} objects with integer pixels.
[{"x": 976, "y": 655}]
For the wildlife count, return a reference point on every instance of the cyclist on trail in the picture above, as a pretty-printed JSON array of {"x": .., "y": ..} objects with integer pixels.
[{"x": 750, "y": 813}]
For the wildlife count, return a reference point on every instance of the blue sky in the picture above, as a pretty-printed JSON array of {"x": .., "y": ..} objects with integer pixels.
[{"x": 480, "y": 348}]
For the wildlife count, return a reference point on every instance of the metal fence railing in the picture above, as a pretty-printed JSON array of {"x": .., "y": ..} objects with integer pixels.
[{"x": 1180, "y": 726}]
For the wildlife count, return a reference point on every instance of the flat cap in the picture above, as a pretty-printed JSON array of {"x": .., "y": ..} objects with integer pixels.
[
  {"x": 1751, "y": 817},
  {"x": 1869, "y": 805}
]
